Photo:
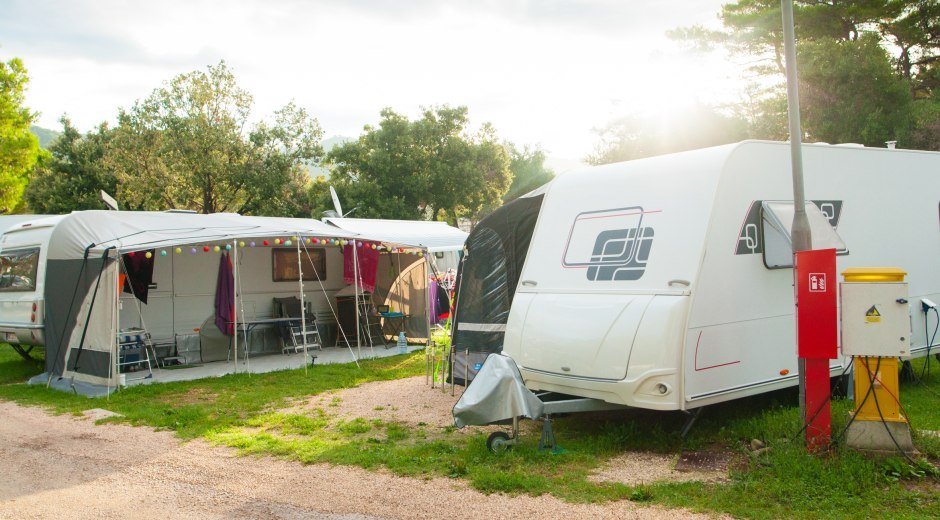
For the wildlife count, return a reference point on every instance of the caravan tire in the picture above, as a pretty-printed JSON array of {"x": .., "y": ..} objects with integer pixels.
[{"x": 498, "y": 442}]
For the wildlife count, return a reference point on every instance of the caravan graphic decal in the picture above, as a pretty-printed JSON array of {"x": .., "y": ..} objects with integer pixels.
[
  {"x": 612, "y": 244},
  {"x": 749, "y": 238}
]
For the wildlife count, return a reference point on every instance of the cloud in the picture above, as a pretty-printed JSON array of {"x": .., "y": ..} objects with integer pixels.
[{"x": 540, "y": 70}]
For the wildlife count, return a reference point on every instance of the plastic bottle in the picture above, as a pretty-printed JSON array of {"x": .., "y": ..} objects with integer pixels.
[{"x": 402, "y": 343}]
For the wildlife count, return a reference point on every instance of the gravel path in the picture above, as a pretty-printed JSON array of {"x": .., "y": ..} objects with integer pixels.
[{"x": 65, "y": 467}]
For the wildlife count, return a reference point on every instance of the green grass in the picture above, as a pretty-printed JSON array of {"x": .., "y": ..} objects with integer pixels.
[
  {"x": 247, "y": 413},
  {"x": 195, "y": 408}
]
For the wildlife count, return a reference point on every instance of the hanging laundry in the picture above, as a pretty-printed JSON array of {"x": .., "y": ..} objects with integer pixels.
[
  {"x": 139, "y": 271},
  {"x": 225, "y": 297},
  {"x": 368, "y": 268}
]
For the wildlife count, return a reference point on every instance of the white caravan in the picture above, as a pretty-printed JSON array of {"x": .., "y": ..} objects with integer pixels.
[
  {"x": 663, "y": 283},
  {"x": 23, "y": 251}
]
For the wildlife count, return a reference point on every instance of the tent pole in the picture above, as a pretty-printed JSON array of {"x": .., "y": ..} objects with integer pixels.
[
  {"x": 235, "y": 298},
  {"x": 359, "y": 281},
  {"x": 116, "y": 317},
  {"x": 303, "y": 305},
  {"x": 401, "y": 296},
  {"x": 356, "y": 293},
  {"x": 235, "y": 304},
  {"x": 329, "y": 304}
]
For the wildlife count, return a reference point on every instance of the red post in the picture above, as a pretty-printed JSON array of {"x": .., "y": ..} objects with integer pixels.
[{"x": 817, "y": 337}]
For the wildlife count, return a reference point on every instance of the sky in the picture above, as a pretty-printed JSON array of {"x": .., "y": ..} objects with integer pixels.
[{"x": 545, "y": 73}]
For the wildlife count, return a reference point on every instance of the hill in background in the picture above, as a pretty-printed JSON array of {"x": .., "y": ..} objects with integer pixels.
[{"x": 45, "y": 135}]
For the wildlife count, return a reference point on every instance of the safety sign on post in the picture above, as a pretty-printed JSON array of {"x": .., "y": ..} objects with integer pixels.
[{"x": 817, "y": 337}]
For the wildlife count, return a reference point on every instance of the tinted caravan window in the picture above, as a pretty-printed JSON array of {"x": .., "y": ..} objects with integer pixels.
[{"x": 18, "y": 270}]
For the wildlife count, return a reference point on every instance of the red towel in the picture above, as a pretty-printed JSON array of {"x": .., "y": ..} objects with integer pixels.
[{"x": 368, "y": 266}]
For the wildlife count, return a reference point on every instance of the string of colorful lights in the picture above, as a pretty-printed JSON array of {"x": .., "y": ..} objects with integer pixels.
[{"x": 326, "y": 242}]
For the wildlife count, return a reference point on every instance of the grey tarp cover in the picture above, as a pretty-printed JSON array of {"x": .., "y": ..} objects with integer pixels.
[{"x": 497, "y": 393}]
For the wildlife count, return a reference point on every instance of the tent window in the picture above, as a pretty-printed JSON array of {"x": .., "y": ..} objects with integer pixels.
[
  {"x": 18, "y": 270},
  {"x": 313, "y": 263},
  {"x": 776, "y": 224}
]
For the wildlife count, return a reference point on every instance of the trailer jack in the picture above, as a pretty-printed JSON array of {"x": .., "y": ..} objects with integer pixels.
[
  {"x": 547, "y": 442},
  {"x": 690, "y": 421},
  {"x": 500, "y": 441}
]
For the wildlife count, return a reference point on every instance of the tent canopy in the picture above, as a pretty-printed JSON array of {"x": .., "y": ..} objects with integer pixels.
[
  {"x": 139, "y": 230},
  {"x": 432, "y": 236}
]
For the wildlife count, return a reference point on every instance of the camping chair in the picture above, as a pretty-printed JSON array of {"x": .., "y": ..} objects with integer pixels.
[
  {"x": 370, "y": 323},
  {"x": 291, "y": 333},
  {"x": 135, "y": 351},
  {"x": 299, "y": 342}
]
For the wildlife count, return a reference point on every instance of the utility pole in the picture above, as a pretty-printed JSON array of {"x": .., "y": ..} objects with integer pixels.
[
  {"x": 813, "y": 276},
  {"x": 800, "y": 234}
]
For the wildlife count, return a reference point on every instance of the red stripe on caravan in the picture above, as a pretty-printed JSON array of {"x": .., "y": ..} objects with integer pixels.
[{"x": 697, "y": 369}]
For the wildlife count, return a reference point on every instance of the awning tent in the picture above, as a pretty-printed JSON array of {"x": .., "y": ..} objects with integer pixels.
[
  {"x": 402, "y": 283},
  {"x": 433, "y": 237},
  {"x": 81, "y": 288}
]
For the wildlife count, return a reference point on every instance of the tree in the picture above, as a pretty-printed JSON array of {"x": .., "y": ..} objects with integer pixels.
[
  {"x": 427, "y": 168},
  {"x": 528, "y": 170},
  {"x": 74, "y": 173},
  {"x": 840, "y": 100},
  {"x": 19, "y": 148},
  {"x": 189, "y": 145},
  {"x": 850, "y": 93},
  {"x": 636, "y": 137}
]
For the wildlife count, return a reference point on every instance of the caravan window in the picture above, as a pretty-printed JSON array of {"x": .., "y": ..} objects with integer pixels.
[
  {"x": 18, "y": 270},
  {"x": 776, "y": 223},
  {"x": 313, "y": 263}
]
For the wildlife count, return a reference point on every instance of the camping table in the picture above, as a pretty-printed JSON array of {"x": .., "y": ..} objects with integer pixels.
[
  {"x": 389, "y": 320},
  {"x": 245, "y": 327}
]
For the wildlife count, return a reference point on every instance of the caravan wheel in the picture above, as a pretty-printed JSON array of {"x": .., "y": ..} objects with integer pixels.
[{"x": 498, "y": 442}]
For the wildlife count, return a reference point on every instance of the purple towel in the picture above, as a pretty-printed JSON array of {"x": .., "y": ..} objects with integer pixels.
[{"x": 225, "y": 297}]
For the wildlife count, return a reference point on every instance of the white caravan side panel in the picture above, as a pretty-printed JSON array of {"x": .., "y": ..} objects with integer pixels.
[
  {"x": 609, "y": 242},
  {"x": 884, "y": 203}
]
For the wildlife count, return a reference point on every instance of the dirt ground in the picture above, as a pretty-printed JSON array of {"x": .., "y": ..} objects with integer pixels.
[
  {"x": 411, "y": 402},
  {"x": 62, "y": 466}
]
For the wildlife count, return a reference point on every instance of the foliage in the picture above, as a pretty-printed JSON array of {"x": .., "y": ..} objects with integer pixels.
[
  {"x": 19, "y": 148},
  {"x": 868, "y": 69},
  {"x": 849, "y": 93},
  {"x": 430, "y": 167},
  {"x": 636, "y": 137},
  {"x": 528, "y": 170},
  {"x": 75, "y": 171},
  {"x": 188, "y": 146}
]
